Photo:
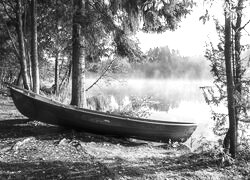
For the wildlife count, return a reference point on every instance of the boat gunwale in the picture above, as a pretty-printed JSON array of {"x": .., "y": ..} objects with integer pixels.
[{"x": 44, "y": 99}]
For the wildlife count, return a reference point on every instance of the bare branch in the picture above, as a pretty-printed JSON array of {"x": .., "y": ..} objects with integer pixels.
[
  {"x": 243, "y": 27},
  {"x": 102, "y": 75},
  {"x": 247, "y": 32}
]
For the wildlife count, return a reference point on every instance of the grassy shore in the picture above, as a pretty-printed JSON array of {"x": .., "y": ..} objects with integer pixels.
[{"x": 34, "y": 150}]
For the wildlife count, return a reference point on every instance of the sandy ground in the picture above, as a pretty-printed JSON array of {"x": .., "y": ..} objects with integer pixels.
[{"x": 34, "y": 150}]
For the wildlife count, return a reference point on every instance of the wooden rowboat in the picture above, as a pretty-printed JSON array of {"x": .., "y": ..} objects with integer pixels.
[{"x": 40, "y": 108}]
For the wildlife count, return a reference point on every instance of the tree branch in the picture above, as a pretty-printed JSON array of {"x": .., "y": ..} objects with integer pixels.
[
  {"x": 245, "y": 120},
  {"x": 243, "y": 27},
  {"x": 100, "y": 77},
  {"x": 247, "y": 32}
]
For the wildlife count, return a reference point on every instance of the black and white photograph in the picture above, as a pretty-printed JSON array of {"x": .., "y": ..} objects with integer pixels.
[{"x": 124, "y": 89}]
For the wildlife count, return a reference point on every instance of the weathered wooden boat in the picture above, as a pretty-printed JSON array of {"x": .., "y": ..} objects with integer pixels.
[{"x": 43, "y": 109}]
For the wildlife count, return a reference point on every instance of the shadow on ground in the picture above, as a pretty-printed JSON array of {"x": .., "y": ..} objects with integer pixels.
[
  {"x": 54, "y": 170},
  {"x": 34, "y": 150},
  {"x": 21, "y": 128}
]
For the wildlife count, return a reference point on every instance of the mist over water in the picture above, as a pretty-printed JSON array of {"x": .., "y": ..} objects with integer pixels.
[{"x": 178, "y": 100}]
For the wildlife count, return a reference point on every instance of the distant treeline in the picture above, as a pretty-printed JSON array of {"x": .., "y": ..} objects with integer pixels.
[{"x": 161, "y": 62}]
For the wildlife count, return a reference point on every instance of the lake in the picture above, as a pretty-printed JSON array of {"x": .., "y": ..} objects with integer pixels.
[{"x": 179, "y": 99}]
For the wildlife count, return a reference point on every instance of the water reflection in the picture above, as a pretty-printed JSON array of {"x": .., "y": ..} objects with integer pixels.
[{"x": 177, "y": 100}]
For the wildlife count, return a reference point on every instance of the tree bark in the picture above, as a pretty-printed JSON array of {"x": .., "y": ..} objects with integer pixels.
[
  {"x": 28, "y": 60},
  {"x": 57, "y": 53},
  {"x": 237, "y": 47},
  {"x": 34, "y": 53},
  {"x": 230, "y": 83},
  {"x": 57, "y": 73},
  {"x": 238, "y": 63},
  {"x": 78, "y": 58},
  {"x": 20, "y": 35}
]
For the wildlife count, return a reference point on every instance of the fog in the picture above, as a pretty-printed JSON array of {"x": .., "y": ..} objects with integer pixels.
[
  {"x": 179, "y": 100},
  {"x": 170, "y": 80}
]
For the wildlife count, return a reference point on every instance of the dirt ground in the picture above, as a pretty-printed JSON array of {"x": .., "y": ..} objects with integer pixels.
[{"x": 34, "y": 150}]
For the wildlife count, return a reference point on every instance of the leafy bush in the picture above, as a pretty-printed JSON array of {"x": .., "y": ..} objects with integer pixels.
[
  {"x": 138, "y": 107},
  {"x": 215, "y": 150}
]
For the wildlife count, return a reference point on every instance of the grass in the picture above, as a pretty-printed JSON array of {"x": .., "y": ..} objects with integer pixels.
[{"x": 34, "y": 150}]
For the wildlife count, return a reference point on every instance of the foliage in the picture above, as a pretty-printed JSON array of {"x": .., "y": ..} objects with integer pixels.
[
  {"x": 120, "y": 19},
  {"x": 217, "y": 96},
  {"x": 109, "y": 28},
  {"x": 216, "y": 151},
  {"x": 157, "y": 16},
  {"x": 138, "y": 107},
  {"x": 54, "y": 28},
  {"x": 8, "y": 55},
  {"x": 8, "y": 63}
]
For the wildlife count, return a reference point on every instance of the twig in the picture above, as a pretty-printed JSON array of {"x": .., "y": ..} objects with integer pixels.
[
  {"x": 103, "y": 73},
  {"x": 247, "y": 32}
]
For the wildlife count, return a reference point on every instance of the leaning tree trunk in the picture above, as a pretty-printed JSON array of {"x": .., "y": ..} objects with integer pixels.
[
  {"x": 23, "y": 63},
  {"x": 230, "y": 84},
  {"x": 78, "y": 58},
  {"x": 34, "y": 53}
]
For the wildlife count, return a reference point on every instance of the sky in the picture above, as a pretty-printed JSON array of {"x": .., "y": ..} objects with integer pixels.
[{"x": 191, "y": 37}]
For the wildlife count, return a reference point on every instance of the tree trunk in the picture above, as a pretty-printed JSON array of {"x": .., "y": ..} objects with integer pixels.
[
  {"x": 29, "y": 65},
  {"x": 26, "y": 44},
  {"x": 34, "y": 53},
  {"x": 230, "y": 83},
  {"x": 57, "y": 53},
  {"x": 19, "y": 81},
  {"x": 20, "y": 35},
  {"x": 78, "y": 58},
  {"x": 57, "y": 73},
  {"x": 238, "y": 64},
  {"x": 237, "y": 46}
]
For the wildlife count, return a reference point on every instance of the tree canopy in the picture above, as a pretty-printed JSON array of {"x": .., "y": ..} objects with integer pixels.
[{"x": 109, "y": 28}]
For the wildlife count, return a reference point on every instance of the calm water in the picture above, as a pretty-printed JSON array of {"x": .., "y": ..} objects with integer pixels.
[{"x": 181, "y": 100}]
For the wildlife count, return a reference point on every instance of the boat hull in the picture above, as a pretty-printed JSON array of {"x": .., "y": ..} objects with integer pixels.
[{"x": 43, "y": 109}]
